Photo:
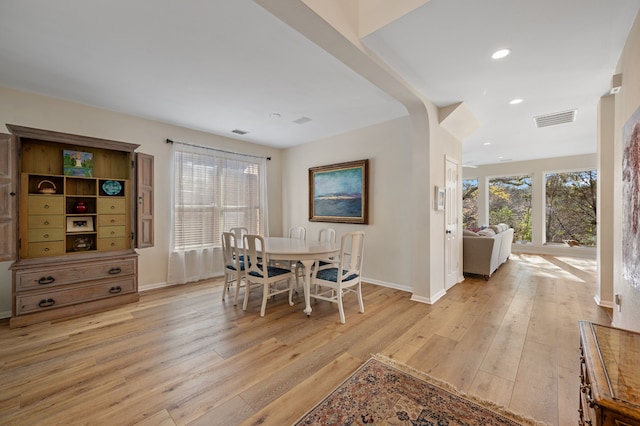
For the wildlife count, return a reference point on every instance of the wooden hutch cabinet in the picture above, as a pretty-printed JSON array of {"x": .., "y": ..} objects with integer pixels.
[
  {"x": 80, "y": 207},
  {"x": 609, "y": 375}
]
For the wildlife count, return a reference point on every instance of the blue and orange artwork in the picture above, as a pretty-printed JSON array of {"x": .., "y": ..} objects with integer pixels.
[{"x": 338, "y": 193}]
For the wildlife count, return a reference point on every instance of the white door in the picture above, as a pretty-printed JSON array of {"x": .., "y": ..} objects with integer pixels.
[{"x": 451, "y": 225}]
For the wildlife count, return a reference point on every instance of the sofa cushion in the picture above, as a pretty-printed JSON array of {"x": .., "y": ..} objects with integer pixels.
[
  {"x": 496, "y": 228},
  {"x": 487, "y": 232},
  {"x": 468, "y": 233}
]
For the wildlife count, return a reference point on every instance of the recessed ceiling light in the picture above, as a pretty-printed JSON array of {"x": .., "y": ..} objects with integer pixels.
[
  {"x": 275, "y": 115},
  {"x": 486, "y": 143},
  {"x": 515, "y": 101},
  {"x": 499, "y": 54}
]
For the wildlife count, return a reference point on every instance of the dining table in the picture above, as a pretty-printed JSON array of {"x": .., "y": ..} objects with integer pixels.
[{"x": 305, "y": 252}]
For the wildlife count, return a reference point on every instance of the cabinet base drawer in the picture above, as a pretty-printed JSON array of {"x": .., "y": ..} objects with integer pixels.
[
  {"x": 74, "y": 272},
  {"x": 72, "y": 311},
  {"x": 53, "y": 299}
]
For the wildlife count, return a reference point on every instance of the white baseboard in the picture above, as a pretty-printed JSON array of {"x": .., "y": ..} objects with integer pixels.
[
  {"x": 429, "y": 300},
  {"x": 387, "y": 284},
  {"x": 603, "y": 303},
  {"x": 5, "y": 314}
]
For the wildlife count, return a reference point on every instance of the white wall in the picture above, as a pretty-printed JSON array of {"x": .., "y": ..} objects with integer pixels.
[
  {"x": 31, "y": 110},
  {"x": 387, "y": 146},
  {"x": 389, "y": 256},
  {"x": 626, "y": 103}
]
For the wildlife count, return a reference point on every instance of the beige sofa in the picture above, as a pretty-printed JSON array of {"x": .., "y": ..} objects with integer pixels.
[{"x": 483, "y": 252}]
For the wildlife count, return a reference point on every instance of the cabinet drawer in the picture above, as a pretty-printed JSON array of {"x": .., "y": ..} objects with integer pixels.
[
  {"x": 50, "y": 248},
  {"x": 40, "y": 301},
  {"x": 40, "y": 235},
  {"x": 29, "y": 279},
  {"x": 46, "y": 204},
  {"x": 112, "y": 220},
  {"x": 105, "y": 244},
  {"x": 111, "y": 206},
  {"x": 45, "y": 221},
  {"x": 111, "y": 232}
]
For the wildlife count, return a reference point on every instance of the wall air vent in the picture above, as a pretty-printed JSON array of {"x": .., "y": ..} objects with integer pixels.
[
  {"x": 556, "y": 118},
  {"x": 302, "y": 120},
  {"x": 239, "y": 132}
]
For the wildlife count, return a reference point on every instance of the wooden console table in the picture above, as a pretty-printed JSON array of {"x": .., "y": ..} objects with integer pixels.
[{"x": 610, "y": 376}]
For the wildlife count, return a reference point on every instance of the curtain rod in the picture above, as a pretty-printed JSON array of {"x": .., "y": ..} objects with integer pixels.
[{"x": 216, "y": 149}]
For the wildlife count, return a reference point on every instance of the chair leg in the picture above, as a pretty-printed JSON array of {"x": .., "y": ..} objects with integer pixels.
[
  {"x": 340, "y": 307},
  {"x": 360, "y": 301},
  {"x": 247, "y": 286},
  {"x": 238, "y": 282},
  {"x": 225, "y": 286},
  {"x": 290, "y": 284},
  {"x": 265, "y": 296}
]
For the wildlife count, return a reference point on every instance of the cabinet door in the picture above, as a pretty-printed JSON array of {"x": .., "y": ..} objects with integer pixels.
[
  {"x": 144, "y": 205},
  {"x": 8, "y": 202}
]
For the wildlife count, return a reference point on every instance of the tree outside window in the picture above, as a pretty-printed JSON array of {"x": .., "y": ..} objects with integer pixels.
[
  {"x": 571, "y": 200},
  {"x": 510, "y": 203},
  {"x": 470, "y": 203}
]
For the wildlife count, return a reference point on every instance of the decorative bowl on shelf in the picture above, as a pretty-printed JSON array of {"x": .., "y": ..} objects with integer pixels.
[
  {"x": 111, "y": 187},
  {"x": 46, "y": 187},
  {"x": 81, "y": 243}
]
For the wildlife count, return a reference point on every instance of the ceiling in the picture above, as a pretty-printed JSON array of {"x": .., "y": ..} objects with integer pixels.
[{"x": 219, "y": 66}]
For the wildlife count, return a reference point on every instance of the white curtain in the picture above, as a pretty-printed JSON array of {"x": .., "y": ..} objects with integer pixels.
[{"x": 213, "y": 191}]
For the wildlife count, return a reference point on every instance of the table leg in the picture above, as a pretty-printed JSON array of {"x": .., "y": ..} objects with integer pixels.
[{"x": 308, "y": 263}]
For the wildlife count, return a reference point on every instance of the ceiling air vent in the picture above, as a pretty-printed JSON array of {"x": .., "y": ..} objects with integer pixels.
[
  {"x": 556, "y": 118},
  {"x": 302, "y": 120},
  {"x": 239, "y": 132}
]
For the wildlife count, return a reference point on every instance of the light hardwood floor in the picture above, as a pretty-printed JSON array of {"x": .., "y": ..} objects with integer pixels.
[{"x": 182, "y": 356}]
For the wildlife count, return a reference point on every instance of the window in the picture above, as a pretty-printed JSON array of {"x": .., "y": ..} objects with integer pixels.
[
  {"x": 213, "y": 192},
  {"x": 510, "y": 203},
  {"x": 470, "y": 203},
  {"x": 571, "y": 200}
]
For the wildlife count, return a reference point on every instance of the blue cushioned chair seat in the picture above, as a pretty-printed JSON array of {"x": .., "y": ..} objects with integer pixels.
[
  {"x": 241, "y": 266},
  {"x": 272, "y": 271},
  {"x": 331, "y": 274}
]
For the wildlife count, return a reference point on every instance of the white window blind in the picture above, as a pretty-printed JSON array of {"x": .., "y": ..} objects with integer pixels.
[{"x": 213, "y": 191}]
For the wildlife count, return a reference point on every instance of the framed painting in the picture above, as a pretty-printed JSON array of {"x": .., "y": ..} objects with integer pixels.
[
  {"x": 339, "y": 193},
  {"x": 439, "y": 198},
  {"x": 77, "y": 163},
  {"x": 631, "y": 200}
]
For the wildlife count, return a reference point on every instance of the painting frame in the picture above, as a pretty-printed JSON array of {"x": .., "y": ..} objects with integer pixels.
[
  {"x": 439, "y": 198},
  {"x": 80, "y": 224},
  {"x": 339, "y": 193}
]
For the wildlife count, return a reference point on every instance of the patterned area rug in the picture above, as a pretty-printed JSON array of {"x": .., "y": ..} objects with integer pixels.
[{"x": 385, "y": 392}]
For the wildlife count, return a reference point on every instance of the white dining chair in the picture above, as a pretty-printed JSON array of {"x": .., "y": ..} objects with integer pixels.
[
  {"x": 343, "y": 275},
  {"x": 298, "y": 232},
  {"x": 233, "y": 265},
  {"x": 261, "y": 274}
]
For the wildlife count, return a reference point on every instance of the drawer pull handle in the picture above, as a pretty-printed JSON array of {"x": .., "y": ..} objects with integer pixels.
[
  {"x": 114, "y": 271},
  {"x": 113, "y": 221},
  {"x": 115, "y": 290},
  {"x": 113, "y": 207},
  {"x": 46, "y": 280},
  {"x": 46, "y": 235},
  {"x": 46, "y": 222},
  {"x": 45, "y": 303},
  {"x": 46, "y": 249},
  {"x": 113, "y": 232},
  {"x": 46, "y": 206}
]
